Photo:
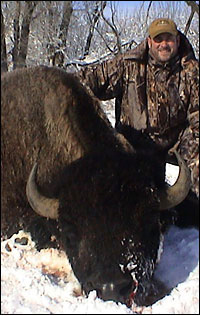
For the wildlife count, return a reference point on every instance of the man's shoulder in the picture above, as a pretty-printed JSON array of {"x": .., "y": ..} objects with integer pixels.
[
  {"x": 190, "y": 70},
  {"x": 190, "y": 64},
  {"x": 186, "y": 52},
  {"x": 138, "y": 53}
]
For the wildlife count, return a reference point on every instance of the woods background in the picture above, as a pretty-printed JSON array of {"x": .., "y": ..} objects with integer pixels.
[{"x": 71, "y": 34}]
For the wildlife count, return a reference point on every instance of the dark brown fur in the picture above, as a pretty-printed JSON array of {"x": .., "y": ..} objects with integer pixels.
[{"x": 48, "y": 117}]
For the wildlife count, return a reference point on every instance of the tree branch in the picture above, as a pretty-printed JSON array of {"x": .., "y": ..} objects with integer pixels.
[
  {"x": 114, "y": 29},
  {"x": 194, "y": 6},
  {"x": 189, "y": 22}
]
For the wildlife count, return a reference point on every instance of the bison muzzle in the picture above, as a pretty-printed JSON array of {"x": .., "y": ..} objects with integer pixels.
[{"x": 110, "y": 226}]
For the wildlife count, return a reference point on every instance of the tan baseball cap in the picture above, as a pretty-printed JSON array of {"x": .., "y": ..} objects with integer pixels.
[{"x": 162, "y": 25}]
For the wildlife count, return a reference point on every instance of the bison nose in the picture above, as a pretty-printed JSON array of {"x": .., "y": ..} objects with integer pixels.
[{"x": 117, "y": 290}]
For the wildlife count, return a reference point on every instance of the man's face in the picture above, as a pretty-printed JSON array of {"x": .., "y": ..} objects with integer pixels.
[{"x": 163, "y": 46}]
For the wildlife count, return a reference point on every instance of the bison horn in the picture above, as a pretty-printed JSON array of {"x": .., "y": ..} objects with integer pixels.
[
  {"x": 175, "y": 194},
  {"x": 42, "y": 205}
]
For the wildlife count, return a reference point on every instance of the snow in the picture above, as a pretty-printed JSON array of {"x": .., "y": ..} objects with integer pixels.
[
  {"x": 181, "y": 246},
  {"x": 42, "y": 282}
]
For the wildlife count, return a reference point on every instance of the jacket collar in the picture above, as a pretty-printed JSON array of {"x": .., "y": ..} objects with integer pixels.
[{"x": 171, "y": 64}]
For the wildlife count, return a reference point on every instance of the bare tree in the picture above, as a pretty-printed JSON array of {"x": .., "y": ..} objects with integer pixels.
[
  {"x": 194, "y": 5},
  {"x": 62, "y": 33},
  {"x": 57, "y": 45},
  {"x": 67, "y": 12},
  {"x": 16, "y": 35},
  {"x": 29, "y": 7},
  {"x": 4, "y": 64},
  {"x": 16, "y": 29},
  {"x": 149, "y": 6},
  {"x": 93, "y": 19},
  {"x": 111, "y": 23},
  {"x": 109, "y": 26},
  {"x": 21, "y": 35},
  {"x": 194, "y": 8}
]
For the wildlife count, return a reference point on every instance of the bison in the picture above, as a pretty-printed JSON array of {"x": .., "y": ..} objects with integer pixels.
[{"x": 103, "y": 194}]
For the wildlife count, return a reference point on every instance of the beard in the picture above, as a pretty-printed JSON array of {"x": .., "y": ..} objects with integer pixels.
[{"x": 162, "y": 54}]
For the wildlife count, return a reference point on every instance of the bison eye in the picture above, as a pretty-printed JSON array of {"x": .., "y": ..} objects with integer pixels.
[
  {"x": 70, "y": 239},
  {"x": 69, "y": 233}
]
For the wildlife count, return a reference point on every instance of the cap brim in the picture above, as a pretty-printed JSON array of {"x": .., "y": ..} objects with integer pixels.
[{"x": 161, "y": 32}]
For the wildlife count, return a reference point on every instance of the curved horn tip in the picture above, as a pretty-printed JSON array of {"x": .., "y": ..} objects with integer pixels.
[
  {"x": 175, "y": 194},
  {"x": 47, "y": 207}
]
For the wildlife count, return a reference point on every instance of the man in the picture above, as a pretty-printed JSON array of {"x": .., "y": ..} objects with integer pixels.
[{"x": 156, "y": 90}]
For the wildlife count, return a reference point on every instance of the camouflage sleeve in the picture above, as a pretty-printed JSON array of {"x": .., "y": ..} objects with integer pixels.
[
  {"x": 193, "y": 110},
  {"x": 189, "y": 141},
  {"x": 103, "y": 79}
]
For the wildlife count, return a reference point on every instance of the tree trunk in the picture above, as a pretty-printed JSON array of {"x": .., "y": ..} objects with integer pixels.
[
  {"x": 67, "y": 12},
  {"x": 4, "y": 63},
  {"x": 194, "y": 8},
  {"x": 93, "y": 21},
  {"x": 16, "y": 35},
  {"x": 55, "y": 48},
  {"x": 25, "y": 30}
]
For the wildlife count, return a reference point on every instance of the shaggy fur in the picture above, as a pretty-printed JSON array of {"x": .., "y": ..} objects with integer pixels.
[{"x": 47, "y": 117}]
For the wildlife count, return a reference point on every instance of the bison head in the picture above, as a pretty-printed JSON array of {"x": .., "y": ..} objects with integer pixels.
[{"x": 108, "y": 211}]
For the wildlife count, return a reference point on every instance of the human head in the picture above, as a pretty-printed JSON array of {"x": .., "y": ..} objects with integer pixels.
[{"x": 163, "y": 39}]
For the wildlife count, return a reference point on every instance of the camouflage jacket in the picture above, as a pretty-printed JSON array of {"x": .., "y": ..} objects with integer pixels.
[{"x": 161, "y": 99}]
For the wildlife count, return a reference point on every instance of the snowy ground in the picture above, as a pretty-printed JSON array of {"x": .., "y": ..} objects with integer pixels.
[{"x": 42, "y": 282}]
